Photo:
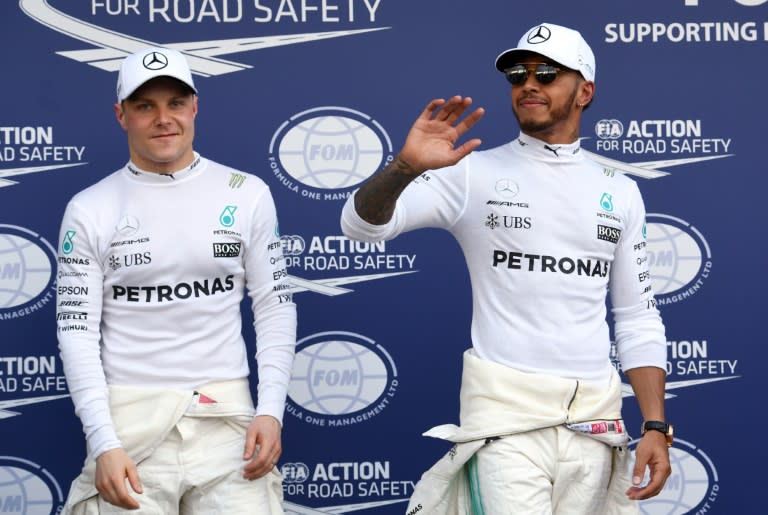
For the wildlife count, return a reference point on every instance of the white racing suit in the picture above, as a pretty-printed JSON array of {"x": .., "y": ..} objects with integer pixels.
[
  {"x": 499, "y": 403},
  {"x": 153, "y": 424}
]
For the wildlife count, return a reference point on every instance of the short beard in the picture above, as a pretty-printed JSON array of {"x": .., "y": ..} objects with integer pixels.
[{"x": 557, "y": 116}]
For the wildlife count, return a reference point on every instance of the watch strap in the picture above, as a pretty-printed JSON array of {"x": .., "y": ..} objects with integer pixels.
[{"x": 662, "y": 427}]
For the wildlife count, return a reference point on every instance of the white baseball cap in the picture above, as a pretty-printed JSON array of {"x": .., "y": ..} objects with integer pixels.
[
  {"x": 561, "y": 44},
  {"x": 138, "y": 68}
]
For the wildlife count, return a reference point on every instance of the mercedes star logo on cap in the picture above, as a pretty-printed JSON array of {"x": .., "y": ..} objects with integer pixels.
[
  {"x": 155, "y": 61},
  {"x": 538, "y": 35}
]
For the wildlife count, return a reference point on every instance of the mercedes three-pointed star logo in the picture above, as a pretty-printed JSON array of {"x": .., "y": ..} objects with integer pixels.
[
  {"x": 507, "y": 188},
  {"x": 539, "y": 34},
  {"x": 155, "y": 61}
]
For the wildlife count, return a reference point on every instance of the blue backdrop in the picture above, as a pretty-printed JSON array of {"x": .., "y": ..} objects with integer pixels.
[{"x": 316, "y": 95}]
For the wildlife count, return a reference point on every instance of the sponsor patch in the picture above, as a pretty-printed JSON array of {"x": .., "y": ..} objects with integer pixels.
[
  {"x": 225, "y": 250},
  {"x": 608, "y": 233}
]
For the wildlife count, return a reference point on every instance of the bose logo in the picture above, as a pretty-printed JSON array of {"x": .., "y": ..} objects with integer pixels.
[{"x": 226, "y": 250}]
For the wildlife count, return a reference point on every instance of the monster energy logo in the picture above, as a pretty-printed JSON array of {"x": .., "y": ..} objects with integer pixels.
[{"x": 236, "y": 180}]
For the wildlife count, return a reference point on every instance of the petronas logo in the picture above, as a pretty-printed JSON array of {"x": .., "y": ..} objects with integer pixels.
[
  {"x": 227, "y": 217},
  {"x": 606, "y": 202},
  {"x": 67, "y": 246}
]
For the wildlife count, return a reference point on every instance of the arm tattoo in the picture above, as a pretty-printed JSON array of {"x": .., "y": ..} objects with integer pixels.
[{"x": 375, "y": 200}]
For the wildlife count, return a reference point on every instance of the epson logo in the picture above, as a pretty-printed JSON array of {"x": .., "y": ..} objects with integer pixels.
[
  {"x": 226, "y": 250},
  {"x": 607, "y": 233},
  {"x": 72, "y": 290}
]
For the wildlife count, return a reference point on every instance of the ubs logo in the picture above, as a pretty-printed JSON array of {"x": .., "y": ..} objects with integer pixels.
[{"x": 128, "y": 260}]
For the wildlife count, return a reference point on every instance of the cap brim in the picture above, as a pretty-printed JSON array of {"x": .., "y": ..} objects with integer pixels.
[
  {"x": 183, "y": 83},
  {"x": 512, "y": 56}
]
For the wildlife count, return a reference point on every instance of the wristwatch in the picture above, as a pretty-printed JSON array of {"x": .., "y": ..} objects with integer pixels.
[{"x": 662, "y": 427}]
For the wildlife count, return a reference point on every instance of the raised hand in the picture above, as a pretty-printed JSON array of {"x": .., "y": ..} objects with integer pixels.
[{"x": 431, "y": 142}]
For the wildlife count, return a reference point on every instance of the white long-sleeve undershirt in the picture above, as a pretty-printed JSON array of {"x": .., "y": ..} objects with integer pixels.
[
  {"x": 546, "y": 234},
  {"x": 152, "y": 272}
]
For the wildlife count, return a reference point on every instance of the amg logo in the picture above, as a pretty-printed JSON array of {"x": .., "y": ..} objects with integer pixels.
[
  {"x": 607, "y": 233},
  {"x": 506, "y": 204},
  {"x": 226, "y": 250}
]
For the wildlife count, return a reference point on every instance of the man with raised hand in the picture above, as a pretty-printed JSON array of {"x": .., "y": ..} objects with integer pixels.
[{"x": 546, "y": 234}]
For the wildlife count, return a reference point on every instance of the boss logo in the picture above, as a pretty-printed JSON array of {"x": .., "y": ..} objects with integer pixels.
[
  {"x": 607, "y": 233},
  {"x": 226, "y": 250}
]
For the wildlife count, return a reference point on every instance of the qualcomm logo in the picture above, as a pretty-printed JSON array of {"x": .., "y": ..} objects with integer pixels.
[
  {"x": 27, "y": 261},
  {"x": 26, "y": 487},
  {"x": 693, "y": 486},
  {"x": 328, "y": 148},
  {"x": 679, "y": 258},
  {"x": 339, "y": 379},
  {"x": 202, "y": 55}
]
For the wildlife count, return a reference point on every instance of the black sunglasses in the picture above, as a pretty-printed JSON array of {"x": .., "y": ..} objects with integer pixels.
[{"x": 545, "y": 73}]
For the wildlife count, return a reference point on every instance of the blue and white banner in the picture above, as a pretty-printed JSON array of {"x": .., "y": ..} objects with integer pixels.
[{"x": 315, "y": 96}]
